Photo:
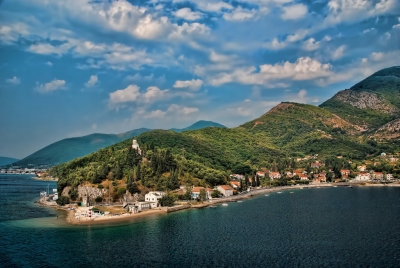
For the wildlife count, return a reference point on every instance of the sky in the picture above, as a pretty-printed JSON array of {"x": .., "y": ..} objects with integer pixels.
[{"x": 75, "y": 67}]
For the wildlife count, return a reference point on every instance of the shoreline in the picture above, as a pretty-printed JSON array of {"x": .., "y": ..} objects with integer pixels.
[{"x": 72, "y": 217}]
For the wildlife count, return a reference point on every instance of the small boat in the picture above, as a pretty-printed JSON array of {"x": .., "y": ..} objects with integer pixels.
[
  {"x": 292, "y": 192},
  {"x": 212, "y": 206},
  {"x": 267, "y": 195},
  {"x": 239, "y": 201},
  {"x": 279, "y": 192},
  {"x": 225, "y": 204},
  {"x": 349, "y": 186},
  {"x": 335, "y": 186}
]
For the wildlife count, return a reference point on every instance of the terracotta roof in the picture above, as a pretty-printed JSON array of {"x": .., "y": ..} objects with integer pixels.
[
  {"x": 226, "y": 187},
  {"x": 197, "y": 189}
]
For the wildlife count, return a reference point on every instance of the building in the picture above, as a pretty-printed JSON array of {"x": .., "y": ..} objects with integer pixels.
[
  {"x": 226, "y": 190},
  {"x": 302, "y": 177},
  {"x": 274, "y": 175},
  {"x": 316, "y": 164},
  {"x": 135, "y": 146},
  {"x": 153, "y": 197},
  {"x": 345, "y": 172},
  {"x": 363, "y": 176},
  {"x": 235, "y": 184},
  {"x": 378, "y": 175},
  {"x": 260, "y": 173},
  {"x": 362, "y": 168},
  {"x": 389, "y": 177}
]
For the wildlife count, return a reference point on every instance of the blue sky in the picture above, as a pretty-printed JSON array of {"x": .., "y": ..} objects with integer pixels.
[{"x": 74, "y": 67}]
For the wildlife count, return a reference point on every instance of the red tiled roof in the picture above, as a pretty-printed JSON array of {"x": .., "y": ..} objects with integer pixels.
[{"x": 226, "y": 187}]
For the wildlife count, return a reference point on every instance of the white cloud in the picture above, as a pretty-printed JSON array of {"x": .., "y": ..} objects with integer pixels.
[
  {"x": 294, "y": 12},
  {"x": 212, "y": 6},
  {"x": 15, "y": 80},
  {"x": 92, "y": 81},
  {"x": 132, "y": 94},
  {"x": 304, "y": 68},
  {"x": 292, "y": 38},
  {"x": 49, "y": 63},
  {"x": 51, "y": 86},
  {"x": 338, "y": 53},
  {"x": 128, "y": 94},
  {"x": 368, "y": 30},
  {"x": 240, "y": 14},
  {"x": 147, "y": 78},
  {"x": 377, "y": 56},
  {"x": 187, "y": 14},
  {"x": 311, "y": 44},
  {"x": 43, "y": 48},
  {"x": 172, "y": 111},
  {"x": 191, "y": 84}
]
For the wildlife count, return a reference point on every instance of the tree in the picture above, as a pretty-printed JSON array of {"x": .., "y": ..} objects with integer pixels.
[
  {"x": 62, "y": 200},
  {"x": 133, "y": 188},
  {"x": 216, "y": 194},
  {"x": 188, "y": 194},
  {"x": 99, "y": 199},
  {"x": 166, "y": 201},
  {"x": 202, "y": 195}
]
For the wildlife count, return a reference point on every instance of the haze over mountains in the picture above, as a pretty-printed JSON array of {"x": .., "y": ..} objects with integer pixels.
[
  {"x": 352, "y": 124},
  {"x": 70, "y": 148}
]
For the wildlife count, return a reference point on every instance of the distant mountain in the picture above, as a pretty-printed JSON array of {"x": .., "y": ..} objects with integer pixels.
[
  {"x": 7, "y": 160},
  {"x": 371, "y": 103},
  {"x": 68, "y": 149},
  {"x": 198, "y": 125}
]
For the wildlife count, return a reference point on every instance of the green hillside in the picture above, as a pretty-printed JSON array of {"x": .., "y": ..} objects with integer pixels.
[
  {"x": 370, "y": 103},
  {"x": 68, "y": 149}
]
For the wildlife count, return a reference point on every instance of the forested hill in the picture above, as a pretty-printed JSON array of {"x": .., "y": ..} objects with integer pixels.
[
  {"x": 371, "y": 103},
  {"x": 67, "y": 149},
  {"x": 207, "y": 156}
]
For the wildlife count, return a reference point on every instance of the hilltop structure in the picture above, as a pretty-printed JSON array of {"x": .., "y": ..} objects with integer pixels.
[{"x": 135, "y": 145}]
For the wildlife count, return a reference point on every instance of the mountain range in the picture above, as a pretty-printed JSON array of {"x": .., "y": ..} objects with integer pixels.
[
  {"x": 7, "y": 160},
  {"x": 70, "y": 148},
  {"x": 356, "y": 123}
]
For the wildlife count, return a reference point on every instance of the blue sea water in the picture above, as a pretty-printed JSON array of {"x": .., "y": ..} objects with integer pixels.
[{"x": 326, "y": 227}]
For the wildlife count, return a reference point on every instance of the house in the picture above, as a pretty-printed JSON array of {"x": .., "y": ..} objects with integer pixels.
[
  {"x": 237, "y": 176},
  {"x": 235, "y": 184},
  {"x": 362, "y": 168},
  {"x": 378, "y": 175},
  {"x": 345, "y": 172},
  {"x": 302, "y": 177},
  {"x": 389, "y": 177},
  {"x": 316, "y": 164},
  {"x": 153, "y": 197},
  {"x": 274, "y": 175},
  {"x": 363, "y": 176},
  {"x": 289, "y": 174},
  {"x": 260, "y": 173},
  {"x": 139, "y": 206},
  {"x": 226, "y": 190},
  {"x": 322, "y": 178},
  {"x": 196, "y": 192}
]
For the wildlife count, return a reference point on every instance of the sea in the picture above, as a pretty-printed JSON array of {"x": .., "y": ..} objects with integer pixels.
[{"x": 325, "y": 227}]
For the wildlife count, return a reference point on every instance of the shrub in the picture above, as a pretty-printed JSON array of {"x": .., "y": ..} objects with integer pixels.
[
  {"x": 62, "y": 200},
  {"x": 98, "y": 199}
]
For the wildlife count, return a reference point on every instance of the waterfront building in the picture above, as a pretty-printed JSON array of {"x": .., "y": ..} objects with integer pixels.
[
  {"x": 226, "y": 190},
  {"x": 153, "y": 198}
]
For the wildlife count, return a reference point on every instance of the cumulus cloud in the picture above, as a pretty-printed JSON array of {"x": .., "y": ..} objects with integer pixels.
[
  {"x": 304, "y": 68},
  {"x": 187, "y": 14},
  {"x": 15, "y": 80},
  {"x": 50, "y": 86},
  {"x": 128, "y": 94},
  {"x": 311, "y": 44},
  {"x": 44, "y": 48},
  {"x": 294, "y": 12},
  {"x": 240, "y": 14},
  {"x": 212, "y": 6},
  {"x": 132, "y": 94},
  {"x": 92, "y": 81},
  {"x": 172, "y": 111},
  {"x": 193, "y": 84}
]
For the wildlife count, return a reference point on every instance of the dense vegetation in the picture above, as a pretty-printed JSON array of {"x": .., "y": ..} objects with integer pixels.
[{"x": 207, "y": 156}]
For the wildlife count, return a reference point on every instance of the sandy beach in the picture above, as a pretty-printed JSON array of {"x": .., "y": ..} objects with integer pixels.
[{"x": 78, "y": 216}]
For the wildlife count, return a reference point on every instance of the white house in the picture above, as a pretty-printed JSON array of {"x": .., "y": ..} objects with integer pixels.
[
  {"x": 274, "y": 175},
  {"x": 153, "y": 197},
  {"x": 226, "y": 190},
  {"x": 363, "y": 176},
  {"x": 389, "y": 177},
  {"x": 260, "y": 173}
]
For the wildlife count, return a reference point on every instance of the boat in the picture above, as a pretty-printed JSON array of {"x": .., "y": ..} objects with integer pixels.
[
  {"x": 239, "y": 201},
  {"x": 225, "y": 204},
  {"x": 292, "y": 192},
  {"x": 212, "y": 206},
  {"x": 267, "y": 195},
  {"x": 279, "y": 192},
  {"x": 335, "y": 186}
]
